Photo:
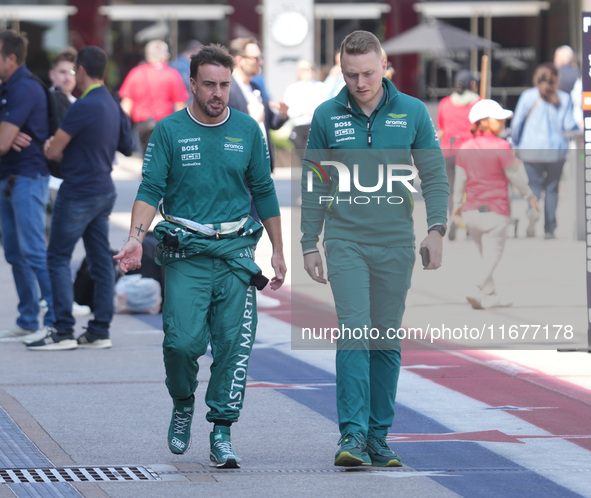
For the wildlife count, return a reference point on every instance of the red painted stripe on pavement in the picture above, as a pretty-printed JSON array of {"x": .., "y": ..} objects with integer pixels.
[
  {"x": 562, "y": 414},
  {"x": 564, "y": 408}
]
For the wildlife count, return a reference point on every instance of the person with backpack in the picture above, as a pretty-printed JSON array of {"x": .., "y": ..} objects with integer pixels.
[
  {"x": 542, "y": 116},
  {"x": 24, "y": 178},
  {"x": 93, "y": 129},
  {"x": 63, "y": 83}
]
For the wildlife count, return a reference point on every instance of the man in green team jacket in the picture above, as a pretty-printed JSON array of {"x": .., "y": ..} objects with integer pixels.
[
  {"x": 364, "y": 149},
  {"x": 197, "y": 161}
]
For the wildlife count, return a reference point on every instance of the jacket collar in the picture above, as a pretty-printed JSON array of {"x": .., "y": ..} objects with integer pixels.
[{"x": 344, "y": 97}]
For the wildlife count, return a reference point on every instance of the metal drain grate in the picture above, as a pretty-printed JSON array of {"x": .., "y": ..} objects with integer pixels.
[{"x": 77, "y": 474}]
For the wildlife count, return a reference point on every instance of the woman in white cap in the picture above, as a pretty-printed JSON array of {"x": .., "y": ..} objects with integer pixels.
[{"x": 485, "y": 164}]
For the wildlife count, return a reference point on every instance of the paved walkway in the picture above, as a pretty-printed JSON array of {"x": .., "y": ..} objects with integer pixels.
[{"x": 473, "y": 421}]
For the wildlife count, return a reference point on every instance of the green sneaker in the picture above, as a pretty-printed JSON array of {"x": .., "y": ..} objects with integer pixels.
[
  {"x": 352, "y": 451},
  {"x": 221, "y": 454},
  {"x": 179, "y": 431},
  {"x": 380, "y": 453}
]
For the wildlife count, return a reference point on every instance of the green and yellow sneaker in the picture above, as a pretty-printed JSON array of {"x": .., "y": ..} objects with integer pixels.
[
  {"x": 380, "y": 453},
  {"x": 179, "y": 431},
  {"x": 352, "y": 452},
  {"x": 221, "y": 454}
]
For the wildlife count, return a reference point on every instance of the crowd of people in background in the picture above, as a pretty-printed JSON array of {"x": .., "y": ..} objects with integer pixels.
[
  {"x": 479, "y": 200},
  {"x": 158, "y": 87}
]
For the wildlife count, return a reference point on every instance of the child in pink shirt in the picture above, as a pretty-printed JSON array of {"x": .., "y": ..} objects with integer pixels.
[{"x": 485, "y": 164}]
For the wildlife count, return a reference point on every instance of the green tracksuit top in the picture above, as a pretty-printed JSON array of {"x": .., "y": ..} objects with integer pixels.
[
  {"x": 370, "y": 204},
  {"x": 199, "y": 170}
]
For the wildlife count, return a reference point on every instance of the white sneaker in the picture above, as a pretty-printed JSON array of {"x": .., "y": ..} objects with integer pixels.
[
  {"x": 14, "y": 331},
  {"x": 475, "y": 302},
  {"x": 475, "y": 298},
  {"x": 80, "y": 309},
  {"x": 494, "y": 301},
  {"x": 37, "y": 335}
]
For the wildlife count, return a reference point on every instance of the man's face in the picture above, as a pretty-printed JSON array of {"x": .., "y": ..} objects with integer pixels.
[
  {"x": 252, "y": 60},
  {"x": 211, "y": 92},
  {"x": 363, "y": 76},
  {"x": 64, "y": 76}
]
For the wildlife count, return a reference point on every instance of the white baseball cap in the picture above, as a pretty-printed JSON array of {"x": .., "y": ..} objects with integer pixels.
[{"x": 488, "y": 109}]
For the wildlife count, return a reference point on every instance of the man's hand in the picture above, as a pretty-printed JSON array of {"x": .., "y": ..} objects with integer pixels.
[
  {"x": 256, "y": 110},
  {"x": 533, "y": 202},
  {"x": 130, "y": 255},
  {"x": 22, "y": 141},
  {"x": 456, "y": 214},
  {"x": 434, "y": 243},
  {"x": 281, "y": 107},
  {"x": 314, "y": 267},
  {"x": 278, "y": 264},
  {"x": 47, "y": 144}
]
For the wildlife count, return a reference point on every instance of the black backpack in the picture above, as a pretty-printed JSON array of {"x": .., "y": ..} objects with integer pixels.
[{"x": 57, "y": 106}]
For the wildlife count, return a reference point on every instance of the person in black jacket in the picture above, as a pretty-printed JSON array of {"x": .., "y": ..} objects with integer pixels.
[{"x": 247, "y": 96}]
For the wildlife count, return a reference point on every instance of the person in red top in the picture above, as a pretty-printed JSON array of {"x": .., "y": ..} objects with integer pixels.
[
  {"x": 152, "y": 91},
  {"x": 485, "y": 164},
  {"x": 454, "y": 126}
]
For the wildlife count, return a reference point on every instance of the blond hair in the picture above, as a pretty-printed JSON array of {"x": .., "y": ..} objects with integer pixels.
[
  {"x": 361, "y": 42},
  {"x": 156, "y": 51}
]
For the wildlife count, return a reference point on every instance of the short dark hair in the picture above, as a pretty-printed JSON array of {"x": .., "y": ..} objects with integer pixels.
[
  {"x": 359, "y": 43},
  {"x": 463, "y": 80},
  {"x": 14, "y": 43},
  {"x": 211, "y": 54},
  {"x": 94, "y": 61},
  {"x": 546, "y": 79},
  {"x": 68, "y": 54}
]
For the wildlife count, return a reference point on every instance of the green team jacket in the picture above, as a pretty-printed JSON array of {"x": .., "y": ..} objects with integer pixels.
[
  {"x": 357, "y": 173},
  {"x": 199, "y": 170}
]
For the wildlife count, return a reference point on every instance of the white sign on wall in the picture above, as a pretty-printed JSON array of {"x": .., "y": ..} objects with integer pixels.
[{"x": 288, "y": 36}]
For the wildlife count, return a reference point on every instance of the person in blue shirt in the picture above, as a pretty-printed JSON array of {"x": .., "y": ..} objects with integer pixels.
[
  {"x": 542, "y": 115},
  {"x": 24, "y": 179},
  {"x": 93, "y": 129}
]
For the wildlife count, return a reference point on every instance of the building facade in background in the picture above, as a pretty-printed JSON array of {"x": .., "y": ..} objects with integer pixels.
[{"x": 123, "y": 28}]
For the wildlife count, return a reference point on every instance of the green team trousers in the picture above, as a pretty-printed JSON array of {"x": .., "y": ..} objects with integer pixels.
[
  {"x": 369, "y": 285},
  {"x": 206, "y": 303}
]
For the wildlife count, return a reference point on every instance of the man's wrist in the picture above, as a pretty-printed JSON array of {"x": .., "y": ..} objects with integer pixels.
[{"x": 441, "y": 228}]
